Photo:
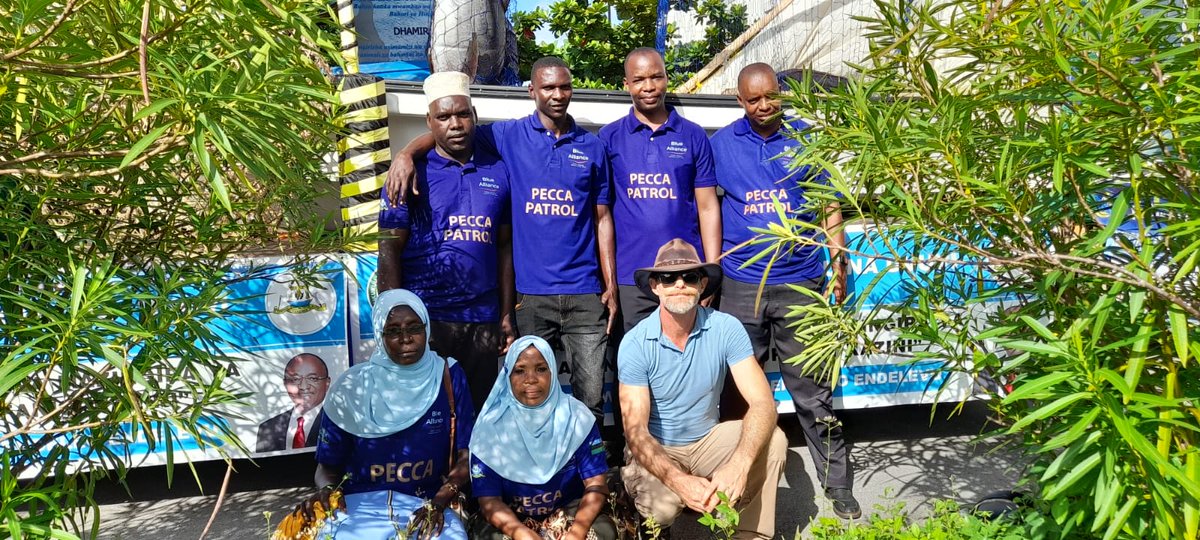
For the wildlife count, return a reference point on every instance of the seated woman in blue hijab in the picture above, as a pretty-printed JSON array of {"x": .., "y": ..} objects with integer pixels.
[
  {"x": 537, "y": 461},
  {"x": 399, "y": 423}
]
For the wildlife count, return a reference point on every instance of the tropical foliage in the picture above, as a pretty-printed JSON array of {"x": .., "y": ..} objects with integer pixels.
[
  {"x": 594, "y": 43},
  {"x": 1042, "y": 158},
  {"x": 142, "y": 145}
]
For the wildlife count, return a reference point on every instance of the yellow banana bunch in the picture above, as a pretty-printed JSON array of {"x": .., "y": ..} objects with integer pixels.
[{"x": 297, "y": 526}]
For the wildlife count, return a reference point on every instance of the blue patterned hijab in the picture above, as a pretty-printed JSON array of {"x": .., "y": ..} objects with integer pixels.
[
  {"x": 529, "y": 444},
  {"x": 381, "y": 397}
]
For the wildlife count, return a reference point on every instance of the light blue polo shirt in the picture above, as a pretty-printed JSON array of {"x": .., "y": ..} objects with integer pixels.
[
  {"x": 685, "y": 386},
  {"x": 556, "y": 184},
  {"x": 750, "y": 169},
  {"x": 655, "y": 176}
]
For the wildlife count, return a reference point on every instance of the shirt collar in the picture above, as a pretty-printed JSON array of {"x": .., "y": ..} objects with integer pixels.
[
  {"x": 632, "y": 124},
  {"x": 435, "y": 160},
  {"x": 535, "y": 123},
  {"x": 742, "y": 127}
]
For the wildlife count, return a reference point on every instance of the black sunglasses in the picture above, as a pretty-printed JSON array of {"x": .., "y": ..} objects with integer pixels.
[{"x": 691, "y": 277}]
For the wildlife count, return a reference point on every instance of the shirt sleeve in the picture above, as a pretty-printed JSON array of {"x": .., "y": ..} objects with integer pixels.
[
  {"x": 603, "y": 178},
  {"x": 333, "y": 444},
  {"x": 497, "y": 134},
  {"x": 631, "y": 363},
  {"x": 591, "y": 455},
  {"x": 737, "y": 341},
  {"x": 706, "y": 171},
  {"x": 484, "y": 481},
  {"x": 464, "y": 410},
  {"x": 393, "y": 217}
]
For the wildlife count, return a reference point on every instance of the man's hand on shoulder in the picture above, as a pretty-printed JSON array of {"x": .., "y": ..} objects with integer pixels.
[
  {"x": 401, "y": 179},
  {"x": 697, "y": 493}
]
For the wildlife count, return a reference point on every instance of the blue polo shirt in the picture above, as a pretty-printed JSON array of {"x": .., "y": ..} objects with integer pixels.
[
  {"x": 413, "y": 461},
  {"x": 556, "y": 184},
  {"x": 685, "y": 386},
  {"x": 750, "y": 169},
  {"x": 539, "y": 501},
  {"x": 450, "y": 260},
  {"x": 655, "y": 176}
]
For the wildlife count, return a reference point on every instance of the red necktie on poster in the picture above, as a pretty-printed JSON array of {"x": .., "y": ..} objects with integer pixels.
[{"x": 298, "y": 438}]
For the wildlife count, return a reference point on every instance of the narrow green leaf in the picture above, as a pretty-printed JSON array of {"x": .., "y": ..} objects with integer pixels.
[
  {"x": 1035, "y": 386},
  {"x": 1118, "y": 521},
  {"x": 1116, "y": 216},
  {"x": 77, "y": 290},
  {"x": 143, "y": 143},
  {"x": 1080, "y": 470},
  {"x": 1049, "y": 410},
  {"x": 153, "y": 108},
  {"x": 1179, "y": 332},
  {"x": 1137, "y": 297}
]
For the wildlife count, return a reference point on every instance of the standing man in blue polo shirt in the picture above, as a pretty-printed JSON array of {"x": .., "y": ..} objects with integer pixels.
[
  {"x": 751, "y": 172},
  {"x": 453, "y": 245},
  {"x": 563, "y": 250},
  {"x": 663, "y": 178}
]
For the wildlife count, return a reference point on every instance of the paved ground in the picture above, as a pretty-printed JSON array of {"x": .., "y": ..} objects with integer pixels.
[{"x": 900, "y": 457}]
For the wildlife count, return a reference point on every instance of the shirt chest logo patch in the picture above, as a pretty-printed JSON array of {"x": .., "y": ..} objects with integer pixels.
[
  {"x": 435, "y": 418},
  {"x": 677, "y": 150},
  {"x": 489, "y": 186},
  {"x": 578, "y": 159}
]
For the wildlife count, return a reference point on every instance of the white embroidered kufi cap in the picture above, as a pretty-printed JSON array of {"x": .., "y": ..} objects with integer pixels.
[{"x": 446, "y": 83}]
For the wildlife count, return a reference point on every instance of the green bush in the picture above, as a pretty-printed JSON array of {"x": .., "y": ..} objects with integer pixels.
[
  {"x": 946, "y": 523},
  {"x": 1053, "y": 149}
]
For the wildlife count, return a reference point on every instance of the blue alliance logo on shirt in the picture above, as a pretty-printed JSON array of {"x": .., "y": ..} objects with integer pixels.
[
  {"x": 677, "y": 150},
  {"x": 578, "y": 158},
  {"x": 489, "y": 186}
]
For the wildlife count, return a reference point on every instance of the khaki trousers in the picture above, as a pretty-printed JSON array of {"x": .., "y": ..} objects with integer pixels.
[{"x": 702, "y": 458}]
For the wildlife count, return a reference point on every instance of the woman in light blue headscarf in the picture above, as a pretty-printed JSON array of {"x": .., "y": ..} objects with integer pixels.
[
  {"x": 401, "y": 421},
  {"x": 537, "y": 461}
]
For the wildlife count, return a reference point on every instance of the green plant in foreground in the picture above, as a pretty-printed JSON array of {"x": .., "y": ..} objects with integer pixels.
[
  {"x": 723, "y": 520},
  {"x": 144, "y": 146},
  {"x": 945, "y": 523},
  {"x": 1034, "y": 169}
]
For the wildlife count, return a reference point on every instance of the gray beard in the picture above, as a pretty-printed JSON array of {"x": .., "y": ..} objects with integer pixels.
[{"x": 680, "y": 305}]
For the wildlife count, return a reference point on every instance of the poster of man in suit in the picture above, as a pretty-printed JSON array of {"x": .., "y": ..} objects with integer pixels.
[{"x": 306, "y": 379}]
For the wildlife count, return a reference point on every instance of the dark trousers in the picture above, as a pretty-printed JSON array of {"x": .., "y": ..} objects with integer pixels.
[
  {"x": 474, "y": 345},
  {"x": 635, "y": 305},
  {"x": 769, "y": 334},
  {"x": 575, "y": 324}
]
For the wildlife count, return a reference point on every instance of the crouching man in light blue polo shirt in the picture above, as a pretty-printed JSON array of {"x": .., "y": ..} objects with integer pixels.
[{"x": 671, "y": 367}]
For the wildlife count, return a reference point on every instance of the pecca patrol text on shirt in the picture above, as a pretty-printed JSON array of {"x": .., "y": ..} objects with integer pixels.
[
  {"x": 551, "y": 202},
  {"x": 651, "y": 186},
  {"x": 759, "y": 201},
  {"x": 468, "y": 228},
  {"x": 412, "y": 471},
  {"x": 541, "y": 504}
]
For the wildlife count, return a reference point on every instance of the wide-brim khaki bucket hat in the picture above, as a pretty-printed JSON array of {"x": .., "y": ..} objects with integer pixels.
[{"x": 679, "y": 256}]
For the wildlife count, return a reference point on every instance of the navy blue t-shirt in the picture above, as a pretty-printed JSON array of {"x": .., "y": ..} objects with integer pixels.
[
  {"x": 413, "y": 461},
  {"x": 539, "y": 501},
  {"x": 556, "y": 184},
  {"x": 450, "y": 260},
  {"x": 655, "y": 176},
  {"x": 750, "y": 170}
]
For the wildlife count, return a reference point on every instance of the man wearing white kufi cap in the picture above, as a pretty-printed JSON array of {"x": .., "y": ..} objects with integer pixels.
[{"x": 452, "y": 245}]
